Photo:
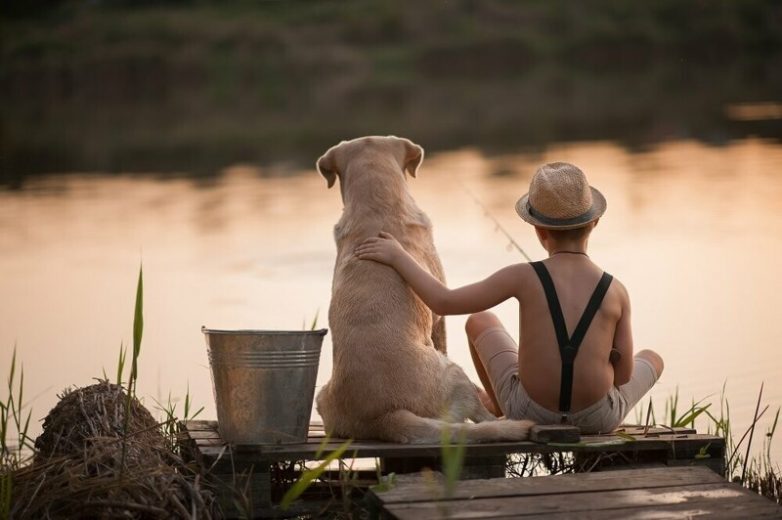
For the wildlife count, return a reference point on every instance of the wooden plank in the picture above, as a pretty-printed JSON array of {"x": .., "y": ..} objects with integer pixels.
[
  {"x": 676, "y": 445},
  {"x": 667, "y": 448},
  {"x": 554, "y": 433},
  {"x": 317, "y": 427},
  {"x": 703, "y": 497},
  {"x": 198, "y": 425},
  {"x": 204, "y": 443},
  {"x": 208, "y": 429},
  {"x": 204, "y": 434},
  {"x": 528, "y": 486},
  {"x": 729, "y": 511},
  {"x": 638, "y": 429}
]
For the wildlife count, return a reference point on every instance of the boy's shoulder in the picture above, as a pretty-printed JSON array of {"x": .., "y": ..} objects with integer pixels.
[{"x": 528, "y": 274}]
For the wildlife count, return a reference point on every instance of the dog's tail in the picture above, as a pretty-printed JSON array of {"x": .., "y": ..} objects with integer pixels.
[{"x": 405, "y": 427}]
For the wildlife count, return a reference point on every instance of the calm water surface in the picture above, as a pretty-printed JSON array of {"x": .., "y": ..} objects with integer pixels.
[{"x": 694, "y": 232}]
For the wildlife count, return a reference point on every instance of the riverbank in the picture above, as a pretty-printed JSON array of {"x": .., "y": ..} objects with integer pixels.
[{"x": 195, "y": 87}]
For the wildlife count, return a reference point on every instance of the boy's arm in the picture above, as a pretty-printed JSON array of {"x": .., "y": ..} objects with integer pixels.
[
  {"x": 623, "y": 342},
  {"x": 471, "y": 298}
]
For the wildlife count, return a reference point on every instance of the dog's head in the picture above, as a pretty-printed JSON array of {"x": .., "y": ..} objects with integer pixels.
[{"x": 406, "y": 154}]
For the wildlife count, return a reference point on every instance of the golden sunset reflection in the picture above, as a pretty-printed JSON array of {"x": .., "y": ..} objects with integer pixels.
[{"x": 694, "y": 232}]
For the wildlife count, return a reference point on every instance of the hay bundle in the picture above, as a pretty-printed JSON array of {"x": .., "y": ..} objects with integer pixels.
[
  {"x": 93, "y": 412},
  {"x": 85, "y": 467}
]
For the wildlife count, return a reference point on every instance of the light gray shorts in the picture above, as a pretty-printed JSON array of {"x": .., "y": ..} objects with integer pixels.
[{"x": 499, "y": 354}]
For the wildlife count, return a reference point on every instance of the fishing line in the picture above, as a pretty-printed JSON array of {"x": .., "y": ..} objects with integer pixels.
[{"x": 498, "y": 226}]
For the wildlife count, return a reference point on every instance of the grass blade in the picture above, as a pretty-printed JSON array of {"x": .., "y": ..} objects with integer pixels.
[
  {"x": 121, "y": 363},
  {"x": 138, "y": 329},
  {"x": 741, "y": 440},
  {"x": 11, "y": 373},
  {"x": 752, "y": 432},
  {"x": 625, "y": 436},
  {"x": 452, "y": 457},
  {"x": 310, "y": 475},
  {"x": 138, "y": 326},
  {"x": 649, "y": 413},
  {"x": 21, "y": 391},
  {"x": 689, "y": 417}
]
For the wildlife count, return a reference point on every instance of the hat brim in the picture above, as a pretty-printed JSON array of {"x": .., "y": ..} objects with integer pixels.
[{"x": 594, "y": 213}]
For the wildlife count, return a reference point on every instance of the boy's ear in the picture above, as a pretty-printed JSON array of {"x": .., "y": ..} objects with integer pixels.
[
  {"x": 327, "y": 167},
  {"x": 414, "y": 156},
  {"x": 542, "y": 233}
]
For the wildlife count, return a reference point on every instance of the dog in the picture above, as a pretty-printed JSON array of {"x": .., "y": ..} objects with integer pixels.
[{"x": 391, "y": 379}]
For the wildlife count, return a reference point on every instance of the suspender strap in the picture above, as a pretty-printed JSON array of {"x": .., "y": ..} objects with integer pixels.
[
  {"x": 555, "y": 309},
  {"x": 591, "y": 309},
  {"x": 568, "y": 347}
]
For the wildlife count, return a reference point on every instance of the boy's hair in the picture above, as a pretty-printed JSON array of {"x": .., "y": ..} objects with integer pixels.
[{"x": 567, "y": 235}]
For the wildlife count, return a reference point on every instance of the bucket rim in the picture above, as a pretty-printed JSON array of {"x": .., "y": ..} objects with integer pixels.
[{"x": 236, "y": 332}]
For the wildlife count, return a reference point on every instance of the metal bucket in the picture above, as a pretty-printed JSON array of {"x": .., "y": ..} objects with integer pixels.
[{"x": 264, "y": 383}]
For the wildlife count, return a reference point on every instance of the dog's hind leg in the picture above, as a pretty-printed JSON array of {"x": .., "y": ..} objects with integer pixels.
[
  {"x": 405, "y": 427},
  {"x": 462, "y": 398}
]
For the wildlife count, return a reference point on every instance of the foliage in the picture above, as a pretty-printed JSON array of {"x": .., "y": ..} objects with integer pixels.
[
  {"x": 452, "y": 456},
  {"x": 310, "y": 475},
  {"x": 758, "y": 472},
  {"x": 13, "y": 422},
  {"x": 138, "y": 330}
]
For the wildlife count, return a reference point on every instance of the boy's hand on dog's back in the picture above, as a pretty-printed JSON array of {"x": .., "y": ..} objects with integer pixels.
[{"x": 383, "y": 248}]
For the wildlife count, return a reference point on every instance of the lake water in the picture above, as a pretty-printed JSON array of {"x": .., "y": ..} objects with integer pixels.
[{"x": 694, "y": 232}]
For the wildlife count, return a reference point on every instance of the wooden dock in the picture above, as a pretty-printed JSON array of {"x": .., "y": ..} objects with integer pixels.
[
  {"x": 660, "y": 492},
  {"x": 252, "y": 467}
]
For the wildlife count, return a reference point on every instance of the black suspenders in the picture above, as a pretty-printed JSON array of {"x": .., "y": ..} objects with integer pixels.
[{"x": 568, "y": 347}]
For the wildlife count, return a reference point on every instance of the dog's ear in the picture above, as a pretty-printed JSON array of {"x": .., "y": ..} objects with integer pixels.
[
  {"x": 327, "y": 167},
  {"x": 414, "y": 156}
]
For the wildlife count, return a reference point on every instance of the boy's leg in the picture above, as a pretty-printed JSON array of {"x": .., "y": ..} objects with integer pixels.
[
  {"x": 476, "y": 326},
  {"x": 654, "y": 359},
  {"x": 647, "y": 368}
]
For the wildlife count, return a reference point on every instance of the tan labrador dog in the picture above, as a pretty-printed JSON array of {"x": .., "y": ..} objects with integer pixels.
[{"x": 391, "y": 379}]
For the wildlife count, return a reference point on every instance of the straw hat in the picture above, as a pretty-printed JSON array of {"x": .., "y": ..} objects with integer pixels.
[{"x": 560, "y": 198}]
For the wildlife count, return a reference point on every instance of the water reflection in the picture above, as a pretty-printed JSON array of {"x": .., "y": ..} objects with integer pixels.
[{"x": 694, "y": 232}]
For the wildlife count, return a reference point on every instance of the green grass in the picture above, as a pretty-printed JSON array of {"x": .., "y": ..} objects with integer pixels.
[
  {"x": 309, "y": 476},
  {"x": 452, "y": 457},
  {"x": 138, "y": 332},
  {"x": 758, "y": 471},
  {"x": 15, "y": 444}
]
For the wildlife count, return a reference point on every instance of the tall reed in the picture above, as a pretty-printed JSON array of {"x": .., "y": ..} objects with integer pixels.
[
  {"x": 756, "y": 471},
  {"x": 138, "y": 330},
  {"x": 13, "y": 424}
]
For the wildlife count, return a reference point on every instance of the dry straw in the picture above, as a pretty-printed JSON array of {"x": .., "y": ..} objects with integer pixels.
[{"x": 79, "y": 469}]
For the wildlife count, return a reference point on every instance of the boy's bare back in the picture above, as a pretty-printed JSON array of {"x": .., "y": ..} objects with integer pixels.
[{"x": 575, "y": 277}]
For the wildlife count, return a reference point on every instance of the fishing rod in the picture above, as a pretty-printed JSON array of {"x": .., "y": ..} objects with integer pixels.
[{"x": 497, "y": 224}]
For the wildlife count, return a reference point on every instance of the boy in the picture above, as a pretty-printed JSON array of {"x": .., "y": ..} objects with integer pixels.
[{"x": 574, "y": 364}]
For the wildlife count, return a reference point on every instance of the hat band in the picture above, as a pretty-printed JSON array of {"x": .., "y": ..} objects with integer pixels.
[{"x": 584, "y": 218}]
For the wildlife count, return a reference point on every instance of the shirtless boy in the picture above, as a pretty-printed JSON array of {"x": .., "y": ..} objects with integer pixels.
[{"x": 562, "y": 372}]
